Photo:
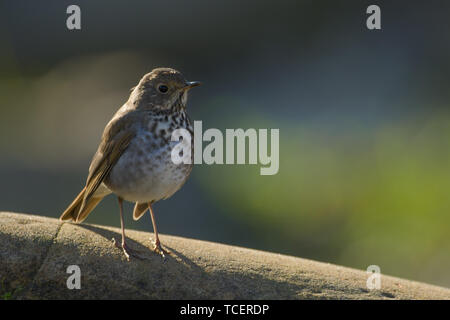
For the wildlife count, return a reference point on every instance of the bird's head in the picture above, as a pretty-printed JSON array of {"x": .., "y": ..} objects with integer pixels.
[{"x": 162, "y": 89}]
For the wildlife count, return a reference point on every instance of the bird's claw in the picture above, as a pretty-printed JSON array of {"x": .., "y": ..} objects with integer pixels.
[
  {"x": 159, "y": 249},
  {"x": 127, "y": 251}
]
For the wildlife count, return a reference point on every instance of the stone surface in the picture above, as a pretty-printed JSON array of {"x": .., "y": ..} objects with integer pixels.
[{"x": 36, "y": 252}]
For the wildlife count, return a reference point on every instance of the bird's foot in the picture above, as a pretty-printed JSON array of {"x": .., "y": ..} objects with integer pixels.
[
  {"x": 159, "y": 249},
  {"x": 127, "y": 251}
]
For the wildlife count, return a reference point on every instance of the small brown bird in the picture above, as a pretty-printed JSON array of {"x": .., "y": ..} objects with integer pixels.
[{"x": 133, "y": 159}]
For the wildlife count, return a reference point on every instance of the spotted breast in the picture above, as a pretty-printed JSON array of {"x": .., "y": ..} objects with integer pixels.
[{"x": 145, "y": 172}]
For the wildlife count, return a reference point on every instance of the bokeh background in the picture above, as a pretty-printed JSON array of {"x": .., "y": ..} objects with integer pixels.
[{"x": 363, "y": 115}]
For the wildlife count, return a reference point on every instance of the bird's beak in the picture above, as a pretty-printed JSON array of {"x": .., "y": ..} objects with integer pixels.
[{"x": 191, "y": 84}]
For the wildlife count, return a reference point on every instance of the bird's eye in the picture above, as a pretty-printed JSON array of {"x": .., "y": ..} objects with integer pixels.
[{"x": 163, "y": 88}]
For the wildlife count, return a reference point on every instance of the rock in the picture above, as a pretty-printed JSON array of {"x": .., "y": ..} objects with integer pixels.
[{"x": 36, "y": 252}]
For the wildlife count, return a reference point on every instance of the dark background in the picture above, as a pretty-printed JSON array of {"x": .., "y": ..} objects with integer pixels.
[{"x": 363, "y": 116}]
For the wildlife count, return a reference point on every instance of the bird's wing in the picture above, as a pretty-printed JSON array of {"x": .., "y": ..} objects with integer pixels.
[{"x": 115, "y": 140}]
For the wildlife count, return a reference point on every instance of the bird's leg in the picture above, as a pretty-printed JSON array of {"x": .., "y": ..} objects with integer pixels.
[
  {"x": 158, "y": 248},
  {"x": 126, "y": 250}
]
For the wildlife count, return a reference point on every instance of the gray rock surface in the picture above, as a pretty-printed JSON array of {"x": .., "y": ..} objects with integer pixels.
[{"x": 36, "y": 251}]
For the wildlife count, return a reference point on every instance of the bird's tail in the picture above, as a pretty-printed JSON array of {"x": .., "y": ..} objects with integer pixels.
[
  {"x": 139, "y": 210},
  {"x": 73, "y": 210}
]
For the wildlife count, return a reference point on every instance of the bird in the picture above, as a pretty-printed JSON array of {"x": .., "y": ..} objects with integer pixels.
[{"x": 133, "y": 160}]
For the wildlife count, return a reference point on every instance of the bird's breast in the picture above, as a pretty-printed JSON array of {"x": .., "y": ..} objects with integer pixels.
[{"x": 145, "y": 172}]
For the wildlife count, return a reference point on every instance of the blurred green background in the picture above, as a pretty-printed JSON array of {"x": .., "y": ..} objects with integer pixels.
[{"x": 363, "y": 115}]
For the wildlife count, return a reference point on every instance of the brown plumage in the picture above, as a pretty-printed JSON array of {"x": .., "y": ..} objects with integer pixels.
[
  {"x": 74, "y": 211},
  {"x": 139, "y": 210},
  {"x": 133, "y": 159}
]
